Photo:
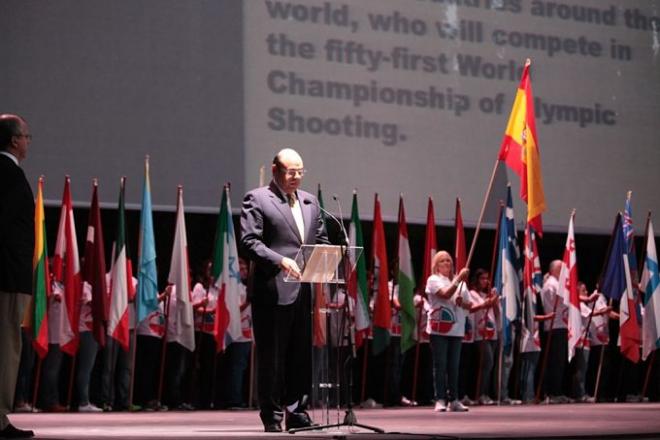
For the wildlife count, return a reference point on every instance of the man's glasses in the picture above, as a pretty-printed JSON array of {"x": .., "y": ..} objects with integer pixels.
[{"x": 291, "y": 172}]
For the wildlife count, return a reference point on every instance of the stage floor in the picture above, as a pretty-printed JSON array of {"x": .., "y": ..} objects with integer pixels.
[{"x": 641, "y": 420}]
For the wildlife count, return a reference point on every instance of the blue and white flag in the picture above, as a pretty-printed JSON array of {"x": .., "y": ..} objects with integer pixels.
[
  {"x": 650, "y": 286},
  {"x": 507, "y": 274}
]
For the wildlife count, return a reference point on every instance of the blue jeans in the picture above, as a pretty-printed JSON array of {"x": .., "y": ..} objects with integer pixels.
[
  {"x": 580, "y": 360},
  {"x": 528, "y": 368},
  {"x": 446, "y": 351},
  {"x": 50, "y": 377},
  {"x": 86, "y": 356},
  {"x": 115, "y": 377},
  {"x": 487, "y": 353},
  {"x": 238, "y": 358},
  {"x": 507, "y": 365}
]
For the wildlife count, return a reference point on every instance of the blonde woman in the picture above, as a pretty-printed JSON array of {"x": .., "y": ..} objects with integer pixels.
[{"x": 449, "y": 299}]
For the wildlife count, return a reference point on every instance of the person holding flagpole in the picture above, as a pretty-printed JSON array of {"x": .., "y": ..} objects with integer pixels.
[
  {"x": 449, "y": 299},
  {"x": 275, "y": 221}
]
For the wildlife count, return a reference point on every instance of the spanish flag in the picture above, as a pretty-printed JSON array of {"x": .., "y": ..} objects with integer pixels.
[{"x": 521, "y": 153}]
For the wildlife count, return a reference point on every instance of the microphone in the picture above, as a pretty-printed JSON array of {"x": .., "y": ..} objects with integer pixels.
[
  {"x": 329, "y": 214},
  {"x": 343, "y": 229}
]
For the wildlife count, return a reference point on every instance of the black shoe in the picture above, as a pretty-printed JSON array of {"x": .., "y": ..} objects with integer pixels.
[
  {"x": 297, "y": 419},
  {"x": 272, "y": 427},
  {"x": 11, "y": 431}
]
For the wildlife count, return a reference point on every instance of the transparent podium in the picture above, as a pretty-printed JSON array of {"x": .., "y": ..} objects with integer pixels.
[{"x": 330, "y": 270}]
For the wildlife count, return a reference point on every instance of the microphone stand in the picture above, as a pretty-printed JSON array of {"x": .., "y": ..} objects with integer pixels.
[{"x": 350, "y": 419}]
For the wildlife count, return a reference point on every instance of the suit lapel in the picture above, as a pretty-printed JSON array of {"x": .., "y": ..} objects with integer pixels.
[{"x": 280, "y": 203}]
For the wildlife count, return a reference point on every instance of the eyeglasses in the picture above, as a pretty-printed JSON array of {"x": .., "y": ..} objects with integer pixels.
[
  {"x": 26, "y": 136},
  {"x": 293, "y": 172}
]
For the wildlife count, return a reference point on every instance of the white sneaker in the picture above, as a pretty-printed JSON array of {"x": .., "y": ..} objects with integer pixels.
[
  {"x": 407, "y": 402},
  {"x": 440, "y": 406},
  {"x": 24, "y": 408},
  {"x": 509, "y": 401},
  {"x": 457, "y": 406},
  {"x": 467, "y": 401},
  {"x": 485, "y": 400},
  {"x": 89, "y": 408}
]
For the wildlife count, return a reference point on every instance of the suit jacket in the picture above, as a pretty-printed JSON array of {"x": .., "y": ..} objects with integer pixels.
[
  {"x": 269, "y": 233},
  {"x": 16, "y": 228}
]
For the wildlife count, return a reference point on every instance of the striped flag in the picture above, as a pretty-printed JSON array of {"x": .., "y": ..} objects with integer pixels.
[
  {"x": 650, "y": 286},
  {"x": 520, "y": 151},
  {"x": 94, "y": 285},
  {"x": 179, "y": 277},
  {"x": 66, "y": 270},
  {"x": 616, "y": 283},
  {"x": 507, "y": 278},
  {"x": 40, "y": 278},
  {"x": 120, "y": 278},
  {"x": 227, "y": 327},
  {"x": 532, "y": 282},
  {"x": 357, "y": 284},
  {"x": 568, "y": 291},
  {"x": 406, "y": 283},
  {"x": 382, "y": 306},
  {"x": 147, "y": 286}
]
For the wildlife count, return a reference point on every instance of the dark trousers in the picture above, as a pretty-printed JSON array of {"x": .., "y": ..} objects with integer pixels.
[
  {"x": 446, "y": 352},
  {"x": 24, "y": 381},
  {"x": 468, "y": 370},
  {"x": 557, "y": 358},
  {"x": 237, "y": 362},
  {"x": 283, "y": 345},
  {"x": 147, "y": 369}
]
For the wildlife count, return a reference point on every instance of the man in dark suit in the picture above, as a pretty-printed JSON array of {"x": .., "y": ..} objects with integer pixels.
[
  {"x": 16, "y": 249},
  {"x": 275, "y": 221}
]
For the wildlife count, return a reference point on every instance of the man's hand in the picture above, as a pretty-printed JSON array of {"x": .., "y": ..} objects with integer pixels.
[{"x": 290, "y": 267}]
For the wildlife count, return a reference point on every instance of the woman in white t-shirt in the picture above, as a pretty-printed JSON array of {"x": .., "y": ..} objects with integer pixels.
[{"x": 449, "y": 299}]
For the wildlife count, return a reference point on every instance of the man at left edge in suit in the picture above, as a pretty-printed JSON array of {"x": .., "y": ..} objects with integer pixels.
[{"x": 16, "y": 252}]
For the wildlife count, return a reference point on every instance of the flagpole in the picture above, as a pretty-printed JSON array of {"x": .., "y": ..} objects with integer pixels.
[
  {"x": 490, "y": 283},
  {"x": 602, "y": 274},
  {"x": 544, "y": 363},
  {"x": 649, "y": 368},
  {"x": 163, "y": 350},
  {"x": 37, "y": 382},
  {"x": 481, "y": 214},
  {"x": 417, "y": 350},
  {"x": 600, "y": 363}
]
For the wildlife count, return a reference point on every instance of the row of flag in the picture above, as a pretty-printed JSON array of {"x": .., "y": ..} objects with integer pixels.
[
  {"x": 110, "y": 303},
  {"x": 515, "y": 272}
]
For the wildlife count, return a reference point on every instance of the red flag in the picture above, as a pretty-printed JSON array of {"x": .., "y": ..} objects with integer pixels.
[
  {"x": 120, "y": 279},
  {"x": 66, "y": 270},
  {"x": 521, "y": 153},
  {"x": 460, "y": 255},
  {"x": 94, "y": 285},
  {"x": 568, "y": 291},
  {"x": 430, "y": 245},
  {"x": 382, "y": 307}
]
